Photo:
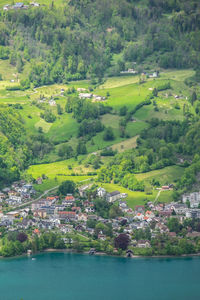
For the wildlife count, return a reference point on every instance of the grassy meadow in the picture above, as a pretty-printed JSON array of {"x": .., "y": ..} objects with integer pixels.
[
  {"x": 58, "y": 172},
  {"x": 165, "y": 176}
]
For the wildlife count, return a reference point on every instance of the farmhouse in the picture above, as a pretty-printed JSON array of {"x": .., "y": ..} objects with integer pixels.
[
  {"x": 34, "y": 4},
  {"x": 111, "y": 197},
  {"x": 81, "y": 90},
  {"x": 129, "y": 71},
  {"x": 85, "y": 96},
  {"x": 153, "y": 75},
  {"x": 98, "y": 98}
]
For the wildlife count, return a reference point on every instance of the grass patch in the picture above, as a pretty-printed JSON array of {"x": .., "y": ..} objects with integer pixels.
[
  {"x": 165, "y": 197},
  {"x": 7, "y": 70},
  {"x": 114, "y": 82},
  {"x": 44, "y": 125},
  {"x": 125, "y": 145},
  {"x": 166, "y": 175},
  {"x": 111, "y": 120},
  {"x": 63, "y": 128},
  {"x": 50, "y": 183},
  {"x": 134, "y": 128},
  {"x": 59, "y": 168},
  {"x": 58, "y": 172}
]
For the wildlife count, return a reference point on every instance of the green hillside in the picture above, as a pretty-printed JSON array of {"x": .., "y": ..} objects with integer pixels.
[{"x": 139, "y": 127}]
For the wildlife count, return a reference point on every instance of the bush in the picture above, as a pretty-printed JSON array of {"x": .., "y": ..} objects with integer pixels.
[
  {"x": 67, "y": 187},
  {"x": 108, "y": 134}
]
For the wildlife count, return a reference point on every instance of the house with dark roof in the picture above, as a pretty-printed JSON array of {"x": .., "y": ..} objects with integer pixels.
[{"x": 111, "y": 197}]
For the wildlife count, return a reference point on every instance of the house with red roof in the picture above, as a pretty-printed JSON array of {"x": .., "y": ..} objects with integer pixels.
[{"x": 63, "y": 215}]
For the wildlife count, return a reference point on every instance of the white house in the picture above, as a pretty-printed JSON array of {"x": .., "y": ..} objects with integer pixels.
[
  {"x": 101, "y": 192},
  {"x": 85, "y": 96}
]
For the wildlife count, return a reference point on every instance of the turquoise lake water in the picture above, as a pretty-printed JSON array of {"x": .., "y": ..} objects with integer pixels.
[{"x": 64, "y": 276}]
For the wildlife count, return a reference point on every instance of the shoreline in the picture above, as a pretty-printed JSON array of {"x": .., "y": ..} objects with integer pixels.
[{"x": 51, "y": 250}]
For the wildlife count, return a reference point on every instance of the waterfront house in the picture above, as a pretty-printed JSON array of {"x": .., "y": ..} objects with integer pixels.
[{"x": 143, "y": 244}]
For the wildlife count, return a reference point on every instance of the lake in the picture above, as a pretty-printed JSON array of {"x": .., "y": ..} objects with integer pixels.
[{"x": 66, "y": 276}]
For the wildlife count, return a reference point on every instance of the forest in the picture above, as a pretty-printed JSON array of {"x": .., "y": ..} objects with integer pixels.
[{"x": 88, "y": 39}]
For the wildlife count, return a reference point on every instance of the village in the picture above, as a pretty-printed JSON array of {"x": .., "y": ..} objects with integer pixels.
[{"x": 79, "y": 213}]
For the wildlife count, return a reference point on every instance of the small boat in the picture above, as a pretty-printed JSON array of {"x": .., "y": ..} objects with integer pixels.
[{"x": 33, "y": 258}]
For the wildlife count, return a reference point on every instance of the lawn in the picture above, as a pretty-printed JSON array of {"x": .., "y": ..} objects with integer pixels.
[
  {"x": 7, "y": 70},
  {"x": 59, "y": 168},
  {"x": 134, "y": 198},
  {"x": 44, "y": 125},
  {"x": 165, "y": 112},
  {"x": 63, "y": 128},
  {"x": 179, "y": 75},
  {"x": 98, "y": 143},
  {"x": 111, "y": 120},
  {"x": 50, "y": 183},
  {"x": 114, "y": 82},
  {"x": 134, "y": 128},
  {"x": 130, "y": 94},
  {"x": 164, "y": 176},
  {"x": 125, "y": 145},
  {"x": 58, "y": 172},
  {"x": 31, "y": 116},
  {"x": 165, "y": 197}
]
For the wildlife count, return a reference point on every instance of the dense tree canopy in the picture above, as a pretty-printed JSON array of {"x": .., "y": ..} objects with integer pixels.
[{"x": 79, "y": 39}]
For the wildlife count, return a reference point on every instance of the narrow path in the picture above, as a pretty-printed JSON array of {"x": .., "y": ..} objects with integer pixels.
[{"x": 157, "y": 196}]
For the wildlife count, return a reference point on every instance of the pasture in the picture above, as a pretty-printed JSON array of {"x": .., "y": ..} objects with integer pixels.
[
  {"x": 58, "y": 172},
  {"x": 165, "y": 176},
  {"x": 125, "y": 145}
]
